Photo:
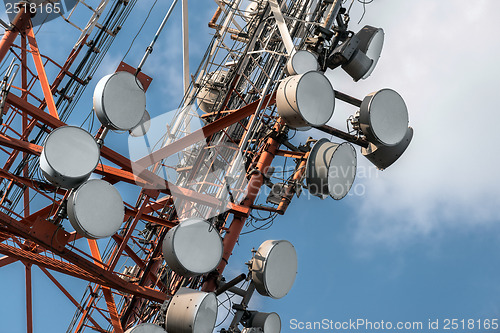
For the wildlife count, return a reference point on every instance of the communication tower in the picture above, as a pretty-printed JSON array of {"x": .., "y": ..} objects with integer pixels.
[{"x": 261, "y": 79}]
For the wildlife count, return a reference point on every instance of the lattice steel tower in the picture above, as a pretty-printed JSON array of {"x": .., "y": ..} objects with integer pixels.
[{"x": 199, "y": 173}]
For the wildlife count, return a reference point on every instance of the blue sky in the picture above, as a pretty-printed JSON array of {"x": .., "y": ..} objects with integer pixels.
[{"x": 422, "y": 241}]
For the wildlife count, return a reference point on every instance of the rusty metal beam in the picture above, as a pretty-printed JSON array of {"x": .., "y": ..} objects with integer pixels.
[
  {"x": 159, "y": 204},
  {"x": 152, "y": 219},
  {"x": 113, "y": 313},
  {"x": 101, "y": 169},
  {"x": 27, "y": 182},
  {"x": 151, "y": 265},
  {"x": 50, "y": 263},
  {"x": 33, "y": 111},
  {"x": 118, "y": 252},
  {"x": 53, "y": 122},
  {"x": 86, "y": 311},
  {"x": 98, "y": 276},
  {"x": 6, "y": 260},
  {"x": 254, "y": 185},
  {"x": 291, "y": 190},
  {"x": 139, "y": 261}
]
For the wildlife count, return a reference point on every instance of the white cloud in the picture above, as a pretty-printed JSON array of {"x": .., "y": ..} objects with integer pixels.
[{"x": 441, "y": 57}]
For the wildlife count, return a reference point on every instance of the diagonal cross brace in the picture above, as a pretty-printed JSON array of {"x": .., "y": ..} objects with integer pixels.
[{"x": 42, "y": 75}]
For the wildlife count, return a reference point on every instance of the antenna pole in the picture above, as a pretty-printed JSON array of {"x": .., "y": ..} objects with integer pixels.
[
  {"x": 185, "y": 44},
  {"x": 149, "y": 49}
]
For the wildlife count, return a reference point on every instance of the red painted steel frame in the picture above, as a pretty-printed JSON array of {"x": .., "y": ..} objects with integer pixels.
[
  {"x": 20, "y": 23},
  {"x": 26, "y": 228},
  {"x": 42, "y": 239}
]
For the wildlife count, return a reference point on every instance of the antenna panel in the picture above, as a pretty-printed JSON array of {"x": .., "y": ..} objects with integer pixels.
[
  {"x": 384, "y": 156},
  {"x": 371, "y": 42}
]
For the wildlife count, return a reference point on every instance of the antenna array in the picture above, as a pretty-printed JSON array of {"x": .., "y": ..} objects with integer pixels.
[{"x": 261, "y": 79}]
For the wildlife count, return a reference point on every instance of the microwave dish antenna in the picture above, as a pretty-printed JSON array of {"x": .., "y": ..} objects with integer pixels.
[
  {"x": 120, "y": 101},
  {"x": 301, "y": 62},
  {"x": 193, "y": 247},
  {"x": 274, "y": 268},
  {"x": 191, "y": 311},
  {"x": 96, "y": 209},
  {"x": 69, "y": 156},
  {"x": 383, "y": 117},
  {"x": 306, "y": 100},
  {"x": 146, "y": 328}
]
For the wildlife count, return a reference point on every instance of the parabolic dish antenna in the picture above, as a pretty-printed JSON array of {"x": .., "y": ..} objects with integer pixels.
[
  {"x": 96, "y": 209},
  {"x": 206, "y": 98},
  {"x": 384, "y": 156},
  {"x": 146, "y": 328},
  {"x": 210, "y": 92},
  {"x": 70, "y": 154},
  {"x": 192, "y": 248},
  {"x": 251, "y": 11},
  {"x": 119, "y": 101},
  {"x": 301, "y": 62},
  {"x": 268, "y": 322},
  {"x": 383, "y": 117},
  {"x": 274, "y": 268},
  {"x": 191, "y": 311},
  {"x": 371, "y": 42},
  {"x": 143, "y": 127},
  {"x": 306, "y": 100},
  {"x": 331, "y": 169}
]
